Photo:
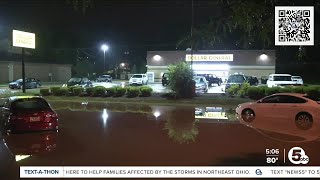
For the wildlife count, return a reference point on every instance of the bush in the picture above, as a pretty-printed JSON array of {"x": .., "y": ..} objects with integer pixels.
[
  {"x": 312, "y": 91},
  {"x": 285, "y": 90},
  {"x": 255, "y": 93},
  {"x": 61, "y": 92},
  {"x": 99, "y": 91},
  {"x": 146, "y": 91},
  {"x": 181, "y": 80},
  {"x": 233, "y": 90},
  {"x": 44, "y": 92},
  {"x": 54, "y": 90},
  {"x": 133, "y": 92},
  {"x": 110, "y": 91},
  {"x": 120, "y": 91},
  {"x": 243, "y": 91},
  {"x": 70, "y": 89},
  {"x": 298, "y": 89},
  {"x": 90, "y": 90},
  {"x": 272, "y": 90},
  {"x": 77, "y": 91}
]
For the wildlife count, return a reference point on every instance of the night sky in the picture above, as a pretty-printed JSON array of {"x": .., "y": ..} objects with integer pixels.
[{"x": 153, "y": 24}]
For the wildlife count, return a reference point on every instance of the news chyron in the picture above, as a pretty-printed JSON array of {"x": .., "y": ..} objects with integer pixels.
[{"x": 279, "y": 163}]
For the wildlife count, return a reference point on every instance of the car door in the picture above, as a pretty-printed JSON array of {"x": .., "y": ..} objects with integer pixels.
[{"x": 265, "y": 108}]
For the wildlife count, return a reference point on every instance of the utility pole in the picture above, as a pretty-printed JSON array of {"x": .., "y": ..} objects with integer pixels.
[{"x": 191, "y": 32}]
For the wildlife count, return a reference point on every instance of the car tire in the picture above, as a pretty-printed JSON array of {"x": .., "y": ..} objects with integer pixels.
[
  {"x": 248, "y": 115},
  {"x": 304, "y": 121}
]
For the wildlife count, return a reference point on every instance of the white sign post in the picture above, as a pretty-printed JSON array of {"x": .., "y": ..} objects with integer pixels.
[{"x": 23, "y": 40}]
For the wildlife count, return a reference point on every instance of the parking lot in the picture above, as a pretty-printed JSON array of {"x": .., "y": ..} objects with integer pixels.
[{"x": 157, "y": 87}]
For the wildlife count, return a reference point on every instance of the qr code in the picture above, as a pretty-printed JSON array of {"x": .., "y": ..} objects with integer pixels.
[{"x": 294, "y": 25}]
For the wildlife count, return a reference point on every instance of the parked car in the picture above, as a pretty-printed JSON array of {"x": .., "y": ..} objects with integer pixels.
[
  {"x": 138, "y": 79},
  {"x": 252, "y": 80},
  {"x": 212, "y": 79},
  {"x": 300, "y": 108},
  {"x": 79, "y": 81},
  {"x": 201, "y": 84},
  {"x": 235, "y": 79},
  {"x": 165, "y": 79},
  {"x": 280, "y": 80},
  {"x": 104, "y": 78},
  {"x": 29, "y": 83},
  {"x": 27, "y": 113},
  {"x": 297, "y": 79}
]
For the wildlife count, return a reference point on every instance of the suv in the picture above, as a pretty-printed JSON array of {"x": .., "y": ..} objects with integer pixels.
[
  {"x": 212, "y": 79},
  {"x": 104, "y": 78},
  {"x": 165, "y": 78},
  {"x": 275, "y": 80},
  {"x": 298, "y": 80},
  {"x": 252, "y": 80},
  {"x": 138, "y": 79},
  {"x": 235, "y": 79}
]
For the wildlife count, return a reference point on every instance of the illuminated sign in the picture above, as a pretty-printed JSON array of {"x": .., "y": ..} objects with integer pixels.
[
  {"x": 209, "y": 57},
  {"x": 23, "y": 39}
]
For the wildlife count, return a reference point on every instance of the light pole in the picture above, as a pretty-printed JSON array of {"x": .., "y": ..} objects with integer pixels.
[{"x": 104, "y": 48}]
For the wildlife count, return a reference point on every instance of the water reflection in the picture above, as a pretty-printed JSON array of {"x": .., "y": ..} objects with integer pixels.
[
  {"x": 104, "y": 117},
  {"x": 283, "y": 130},
  {"x": 215, "y": 113},
  {"x": 181, "y": 125},
  {"x": 26, "y": 145}
]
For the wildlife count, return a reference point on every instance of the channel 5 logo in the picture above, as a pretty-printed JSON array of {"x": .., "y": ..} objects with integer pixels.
[{"x": 297, "y": 155}]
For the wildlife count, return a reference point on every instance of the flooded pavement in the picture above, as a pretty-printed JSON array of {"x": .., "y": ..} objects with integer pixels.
[{"x": 103, "y": 134}]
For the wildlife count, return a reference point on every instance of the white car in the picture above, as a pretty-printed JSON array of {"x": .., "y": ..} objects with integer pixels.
[
  {"x": 138, "y": 79},
  {"x": 275, "y": 80},
  {"x": 298, "y": 79},
  {"x": 298, "y": 108}
]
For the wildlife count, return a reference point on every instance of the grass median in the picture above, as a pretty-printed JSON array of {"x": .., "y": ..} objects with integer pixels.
[{"x": 156, "y": 99}]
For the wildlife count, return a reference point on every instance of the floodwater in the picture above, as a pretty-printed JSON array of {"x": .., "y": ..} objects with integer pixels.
[{"x": 103, "y": 134}]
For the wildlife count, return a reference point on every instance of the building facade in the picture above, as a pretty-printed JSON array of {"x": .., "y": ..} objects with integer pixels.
[
  {"x": 12, "y": 70},
  {"x": 221, "y": 63}
]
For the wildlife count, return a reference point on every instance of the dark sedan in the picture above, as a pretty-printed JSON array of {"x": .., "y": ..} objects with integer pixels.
[
  {"x": 27, "y": 113},
  {"x": 29, "y": 83}
]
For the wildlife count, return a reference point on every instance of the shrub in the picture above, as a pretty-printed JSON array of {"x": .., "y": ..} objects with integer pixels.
[
  {"x": 70, "y": 88},
  {"x": 133, "y": 92},
  {"x": 77, "y": 91},
  {"x": 44, "y": 92},
  {"x": 298, "y": 89},
  {"x": 62, "y": 91},
  {"x": 120, "y": 91},
  {"x": 54, "y": 90},
  {"x": 255, "y": 93},
  {"x": 89, "y": 90},
  {"x": 146, "y": 91},
  {"x": 242, "y": 92},
  {"x": 233, "y": 90},
  {"x": 181, "y": 80},
  {"x": 285, "y": 90},
  {"x": 270, "y": 91},
  {"x": 110, "y": 91},
  {"x": 99, "y": 91},
  {"x": 312, "y": 91}
]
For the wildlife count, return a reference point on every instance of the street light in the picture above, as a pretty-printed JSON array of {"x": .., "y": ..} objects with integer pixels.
[{"x": 104, "y": 48}]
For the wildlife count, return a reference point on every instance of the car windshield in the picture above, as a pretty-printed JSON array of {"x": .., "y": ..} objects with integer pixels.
[
  {"x": 198, "y": 79},
  {"x": 104, "y": 76},
  {"x": 236, "y": 79},
  {"x": 18, "y": 80},
  {"x": 27, "y": 104},
  {"x": 296, "y": 77},
  {"x": 75, "y": 80},
  {"x": 282, "y": 78},
  {"x": 137, "y": 76}
]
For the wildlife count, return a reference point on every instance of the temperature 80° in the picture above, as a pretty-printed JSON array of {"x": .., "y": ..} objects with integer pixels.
[{"x": 272, "y": 160}]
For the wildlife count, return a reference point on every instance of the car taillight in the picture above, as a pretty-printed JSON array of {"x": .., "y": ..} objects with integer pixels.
[{"x": 50, "y": 116}]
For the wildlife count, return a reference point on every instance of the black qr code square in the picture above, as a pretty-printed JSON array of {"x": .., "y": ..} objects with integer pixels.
[{"x": 294, "y": 25}]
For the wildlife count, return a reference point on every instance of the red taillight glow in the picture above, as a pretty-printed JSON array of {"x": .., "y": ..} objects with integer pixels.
[{"x": 50, "y": 116}]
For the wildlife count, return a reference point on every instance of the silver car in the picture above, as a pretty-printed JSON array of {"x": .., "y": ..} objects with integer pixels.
[{"x": 201, "y": 84}]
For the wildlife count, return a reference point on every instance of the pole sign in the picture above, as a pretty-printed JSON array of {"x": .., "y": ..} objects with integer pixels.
[{"x": 23, "y": 39}]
